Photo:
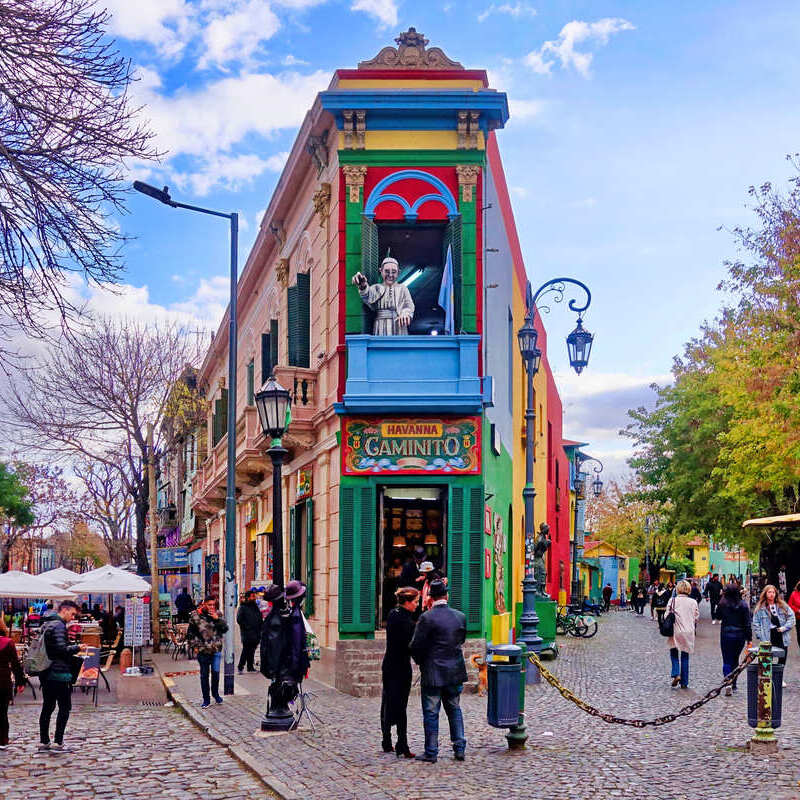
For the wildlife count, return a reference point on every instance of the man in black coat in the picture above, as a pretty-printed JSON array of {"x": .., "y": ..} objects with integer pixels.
[
  {"x": 436, "y": 647},
  {"x": 249, "y": 619},
  {"x": 713, "y": 591},
  {"x": 184, "y": 604}
]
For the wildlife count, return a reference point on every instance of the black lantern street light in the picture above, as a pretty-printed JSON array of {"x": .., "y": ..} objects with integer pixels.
[
  {"x": 229, "y": 597},
  {"x": 579, "y": 344},
  {"x": 272, "y": 402},
  {"x": 581, "y": 479}
]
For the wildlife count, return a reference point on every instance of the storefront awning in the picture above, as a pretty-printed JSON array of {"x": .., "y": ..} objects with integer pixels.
[
  {"x": 266, "y": 528},
  {"x": 785, "y": 520}
]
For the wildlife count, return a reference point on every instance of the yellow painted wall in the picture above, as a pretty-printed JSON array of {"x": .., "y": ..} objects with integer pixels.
[
  {"x": 701, "y": 560},
  {"x": 412, "y": 140},
  {"x": 603, "y": 549}
]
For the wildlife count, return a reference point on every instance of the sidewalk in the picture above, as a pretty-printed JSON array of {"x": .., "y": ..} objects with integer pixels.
[{"x": 569, "y": 755}]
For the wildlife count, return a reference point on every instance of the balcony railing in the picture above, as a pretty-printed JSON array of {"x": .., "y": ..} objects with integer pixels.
[
  {"x": 414, "y": 374},
  {"x": 302, "y": 384}
]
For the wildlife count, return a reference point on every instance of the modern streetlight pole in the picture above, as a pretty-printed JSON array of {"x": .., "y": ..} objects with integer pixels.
[
  {"x": 579, "y": 344},
  {"x": 580, "y": 496},
  {"x": 230, "y": 596}
]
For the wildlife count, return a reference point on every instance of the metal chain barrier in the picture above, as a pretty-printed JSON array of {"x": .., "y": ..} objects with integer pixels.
[{"x": 637, "y": 723}]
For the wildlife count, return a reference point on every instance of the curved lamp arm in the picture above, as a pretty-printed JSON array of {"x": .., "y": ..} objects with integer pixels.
[{"x": 557, "y": 286}]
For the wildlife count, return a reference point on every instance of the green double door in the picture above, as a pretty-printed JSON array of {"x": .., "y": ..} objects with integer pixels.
[{"x": 358, "y": 550}]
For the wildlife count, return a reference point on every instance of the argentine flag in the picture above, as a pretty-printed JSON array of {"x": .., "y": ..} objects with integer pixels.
[{"x": 446, "y": 299}]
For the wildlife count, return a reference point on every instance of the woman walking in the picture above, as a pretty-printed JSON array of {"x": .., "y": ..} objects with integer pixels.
[
  {"x": 660, "y": 600},
  {"x": 396, "y": 671},
  {"x": 9, "y": 666},
  {"x": 681, "y": 643},
  {"x": 772, "y": 621},
  {"x": 794, "y": 604},
  {"x": 735, "y": 630}
]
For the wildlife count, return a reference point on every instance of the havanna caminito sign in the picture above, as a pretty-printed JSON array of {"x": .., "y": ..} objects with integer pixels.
[{"x": 412, "y": 446}]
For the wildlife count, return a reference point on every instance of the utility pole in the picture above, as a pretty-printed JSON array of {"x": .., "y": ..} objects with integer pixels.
[{"x": 153, "y": 503}]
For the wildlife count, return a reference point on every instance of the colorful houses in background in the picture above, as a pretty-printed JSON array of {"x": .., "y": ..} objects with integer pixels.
[
  {"x": 614, "y": 567},
  {"x": 396, "y": 442}
]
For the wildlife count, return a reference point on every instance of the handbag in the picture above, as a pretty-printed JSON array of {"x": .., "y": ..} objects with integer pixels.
[{"x": 666, "y": 626}]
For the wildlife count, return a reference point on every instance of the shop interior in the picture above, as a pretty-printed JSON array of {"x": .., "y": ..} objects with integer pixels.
[{"x": 409, "y": 516}]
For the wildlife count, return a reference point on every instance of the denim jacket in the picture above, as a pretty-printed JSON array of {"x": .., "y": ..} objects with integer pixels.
[{"x": 761, "y": 623}]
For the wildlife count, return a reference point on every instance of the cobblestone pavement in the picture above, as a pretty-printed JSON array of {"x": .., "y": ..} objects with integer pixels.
[
  {"x": 570, "y": 755},
  {"x": 122, "y": 751}
]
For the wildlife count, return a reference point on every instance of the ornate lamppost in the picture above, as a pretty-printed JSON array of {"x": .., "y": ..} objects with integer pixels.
[
  {"x": 579, "y": 345},
  {"x": 580, "y": 496},
  {"x": 272, "y": 402}
]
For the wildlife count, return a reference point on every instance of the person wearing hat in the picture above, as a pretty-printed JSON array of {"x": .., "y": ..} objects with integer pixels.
[
  {"x": 427, "y": 575},
  {"x": 391, "y": 301},
  {"x": 248, "y": 618},
  {"x": 396, "y": 671},
  {"x": 410, "y": 573},
  {"x": 436, "y": 647}
]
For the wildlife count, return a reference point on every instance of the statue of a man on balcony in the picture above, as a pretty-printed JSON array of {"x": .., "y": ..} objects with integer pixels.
[{"x": 390, "y": 300}]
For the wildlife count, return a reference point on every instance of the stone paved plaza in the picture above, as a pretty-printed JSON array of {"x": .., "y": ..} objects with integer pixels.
[{"x": 570, "y": 755}]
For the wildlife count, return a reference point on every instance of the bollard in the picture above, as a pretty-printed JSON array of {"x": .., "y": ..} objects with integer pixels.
[
  {"x": 764, "y": 740},
  {"x": 518, "y": 734}
]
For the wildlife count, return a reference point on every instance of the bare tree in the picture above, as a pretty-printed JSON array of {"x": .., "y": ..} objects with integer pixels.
[
  {"x": 66, "y": 126},
  {"x": 106, "y": 502},
  {"x": 93, "y": 394}
]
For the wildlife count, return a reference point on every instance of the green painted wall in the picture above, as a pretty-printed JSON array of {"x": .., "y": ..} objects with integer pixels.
[{"x": 498, "y": 481}]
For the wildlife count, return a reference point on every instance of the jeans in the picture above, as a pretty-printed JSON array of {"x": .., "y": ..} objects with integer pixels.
[
  {"x": 5, "y": 699},
  {"x": 432, "y": 699},
  {"x": 684, "y": 666},
  {"x": 209, "y": 661},
  {"x": 55, "y": 692},
  {"x": 247, "y": 656},
  {"x": 731, "y": 645}
]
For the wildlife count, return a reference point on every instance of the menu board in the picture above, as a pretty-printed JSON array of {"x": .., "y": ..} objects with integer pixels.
[{"x": 137, "y": 622}]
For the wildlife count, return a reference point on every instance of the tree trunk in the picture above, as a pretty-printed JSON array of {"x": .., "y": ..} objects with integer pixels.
[{"x": 142, "y": 561}]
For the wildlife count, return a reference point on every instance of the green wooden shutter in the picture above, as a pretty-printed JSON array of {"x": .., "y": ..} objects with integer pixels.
[
  {"x": 357, "y": 559},
  {"x": 273, "y": 342},
  {"x": 294, "y": 331},
  {"x": 293, "y": 566},
  {"x": 370, "y": 257},
  {"x": 251, "y": 379},
  {"x": 309, "y": 532},
  {"x": 266, "y": 357},
  {"x": 219, "y": 420},
  {"x": 304, "y": 319},
  {"x": 452, "y": 238},
  {"x": 464, "y": 554}
]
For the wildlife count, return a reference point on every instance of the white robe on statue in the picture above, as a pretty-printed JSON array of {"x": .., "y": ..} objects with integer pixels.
[{"x": 388, "y": 302}]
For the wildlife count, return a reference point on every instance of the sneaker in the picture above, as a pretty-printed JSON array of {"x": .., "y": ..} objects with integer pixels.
[
  {"x": 59, "y": 747},
  {"x": 43, "y": 748},
  {"x": 3, "y": 747},
  {"x": 204, "y": 704},
  {"x": 676, "y": 679},
  {"x": 241, "y": 671},
  {"x": 785, "y": 684},
  {"x": 429, "y": 759},
  {"x": 459, "y": 756},
  {"x": 728, "y": 691},
  {"x": 218, "y": 701}
]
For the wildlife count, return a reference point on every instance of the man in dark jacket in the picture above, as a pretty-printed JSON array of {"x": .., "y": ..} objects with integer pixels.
[
  {"x": 184, "y": 605},
  {"x": 56, "y": 680},
  {"x": 205, "y": 632},
  {"x": 249, "y": 619},
  {"x": 713, "y": 591},
  {"x": 436, "y": 647},
  {"x": 607, "y": 592},
  {"x": 410, "y": 572}
]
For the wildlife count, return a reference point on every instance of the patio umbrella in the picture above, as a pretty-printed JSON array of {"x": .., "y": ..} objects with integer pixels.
[
  {"x": 22, "y": 585},
  {"x": 110, "y": 580},
  {"x": 61, "y": 576}
]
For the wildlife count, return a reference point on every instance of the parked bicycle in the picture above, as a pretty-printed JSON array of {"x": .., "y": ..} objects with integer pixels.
[{"x": 574, "y": 623}]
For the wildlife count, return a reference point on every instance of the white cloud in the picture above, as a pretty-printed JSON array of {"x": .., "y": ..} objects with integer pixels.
[
  {"x": 236, "y": 35},
  {"x": 586, "y": 202},
  {"x": 228, "y": 172},
  {"x": 563, "y": 49},
  {"x": 168, "y": 25},
  {"x": 385, "y": 11},
  {"x": 590, "y": 383},
  {"x": 525, "y": 109},
  {"x": 515, "y": 10},
  {"x": 290, "y": 61},
  {"x": 519, "y": 191}
]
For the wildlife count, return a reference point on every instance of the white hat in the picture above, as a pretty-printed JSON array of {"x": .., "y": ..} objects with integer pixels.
[
  {"x": 389, "y": 260},
  {"x": 426, "y": 566}
]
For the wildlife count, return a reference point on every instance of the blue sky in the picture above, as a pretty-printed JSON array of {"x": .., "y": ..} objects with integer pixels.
[{"x": 635, "y": 131}]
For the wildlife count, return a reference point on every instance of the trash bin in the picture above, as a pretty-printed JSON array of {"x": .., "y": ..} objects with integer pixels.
[
  {"x": 504, "y": 679},
  {"x": 777, "y": 690}
]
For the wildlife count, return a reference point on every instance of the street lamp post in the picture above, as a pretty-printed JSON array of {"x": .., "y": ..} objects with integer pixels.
[
  {"x": 272, "y": 402},
  {"x": 648, "y": 521},
  {"x": 230, "y": 595},
  {"x": 579, "y": 344},
  {"x": 580, "y": 496}
]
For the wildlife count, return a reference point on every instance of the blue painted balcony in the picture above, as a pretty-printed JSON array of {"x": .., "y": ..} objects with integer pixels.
[{"x": 433, "y": 374}]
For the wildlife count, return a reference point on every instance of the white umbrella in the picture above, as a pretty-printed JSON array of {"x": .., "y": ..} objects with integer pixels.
[
  {"x": 101, "y": 571},
  {"x": 23, "y": 585},
  {"x": 110, "y": 580},
  {"x": 61, "y": 576}
]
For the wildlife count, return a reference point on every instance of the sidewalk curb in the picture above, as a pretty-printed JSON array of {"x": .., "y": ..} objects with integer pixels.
[{"x": 272, "y": 784}]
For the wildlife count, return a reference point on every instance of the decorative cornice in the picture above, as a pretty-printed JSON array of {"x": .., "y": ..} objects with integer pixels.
[
  {"x": 467, "y": 180},
  {"x": 282, "y": 272},
  {"x": 322, "y": 202},
  {"x": 354, "y": 125},
  {"x": 354, "y": 175},
  {"x": 411, "y": 53},
  {"x": 468, "y": 127}
]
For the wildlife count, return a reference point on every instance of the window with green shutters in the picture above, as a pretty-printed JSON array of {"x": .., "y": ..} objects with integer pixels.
[
  {"x": 465, "y": 552},
  {"x": 452, "y": 239},
  {"x": 219, "y": 419},
  {"x": 357, "y": 559},
  {"x": 251, "y": 379},
  {"x": 298, "y": 299},
  {"x": 301, "y": 548},
  {"x": 370, "y": 264},
  {"x": 269, "y": 351}
]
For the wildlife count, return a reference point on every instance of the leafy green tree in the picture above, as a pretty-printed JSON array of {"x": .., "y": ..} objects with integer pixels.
[{"x": 16, "y": 510}]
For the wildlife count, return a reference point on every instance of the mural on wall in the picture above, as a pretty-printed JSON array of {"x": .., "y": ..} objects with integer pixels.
[
  {"x": 499, "y": 566},
  {"x": 418, "y": 446}
]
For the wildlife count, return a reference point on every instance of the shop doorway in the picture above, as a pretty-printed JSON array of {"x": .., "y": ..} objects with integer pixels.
[{"x": 408, "y": 517}]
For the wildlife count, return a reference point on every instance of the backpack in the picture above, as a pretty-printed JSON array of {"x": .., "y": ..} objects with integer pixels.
[{"x": 36, "y": 659}]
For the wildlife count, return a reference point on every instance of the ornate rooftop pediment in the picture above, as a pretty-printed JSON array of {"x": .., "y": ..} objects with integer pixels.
[{"x": 411, "y": 53}]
